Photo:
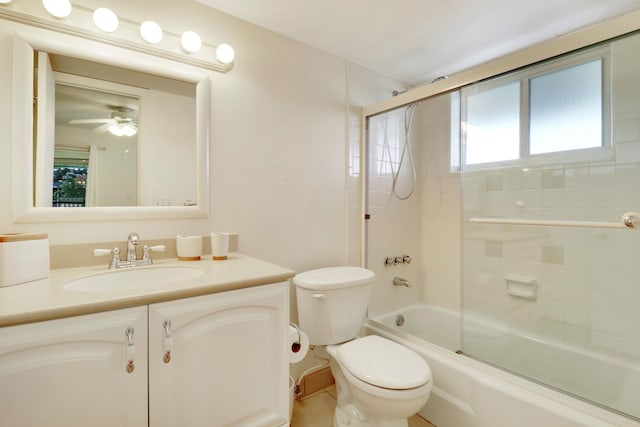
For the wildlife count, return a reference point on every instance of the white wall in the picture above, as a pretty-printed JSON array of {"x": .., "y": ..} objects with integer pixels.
[{"x": 279, "y": 133}]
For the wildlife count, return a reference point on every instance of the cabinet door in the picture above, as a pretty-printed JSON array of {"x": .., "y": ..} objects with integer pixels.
[
  {"x": 228, "y": 365},
  {"x": 73, "y": 371}
]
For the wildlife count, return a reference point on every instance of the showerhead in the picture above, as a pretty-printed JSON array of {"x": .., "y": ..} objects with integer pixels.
[{"x": 396, "y": 92}]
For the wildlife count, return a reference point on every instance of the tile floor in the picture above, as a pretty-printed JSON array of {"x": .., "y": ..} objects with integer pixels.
[{"x": 316, "y": 410}]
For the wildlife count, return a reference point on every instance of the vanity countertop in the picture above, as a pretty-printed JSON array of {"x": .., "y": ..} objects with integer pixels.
[{"x": 47, "y": 299}]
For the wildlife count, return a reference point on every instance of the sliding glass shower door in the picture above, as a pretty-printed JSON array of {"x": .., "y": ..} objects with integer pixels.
[{"x": 551, "y": 272}]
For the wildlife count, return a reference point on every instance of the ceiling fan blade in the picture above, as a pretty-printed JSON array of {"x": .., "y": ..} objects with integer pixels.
[
  {"x": 89, "y": 121},
  {"x": 102, "y": 128}
]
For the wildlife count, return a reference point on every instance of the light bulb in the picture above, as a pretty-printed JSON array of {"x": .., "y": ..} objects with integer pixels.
[
  {"x": 225, "y": 53},
  {"x": 105, "y": 19},
  {"x": 5, "y": 1},
  {"x": 151, "y": 32},
  {"x": 58, "y": 8},
  {"x": 191, "y": 41}
]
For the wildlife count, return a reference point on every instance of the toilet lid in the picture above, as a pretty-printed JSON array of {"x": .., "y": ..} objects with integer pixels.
[
  {"x": 324, "y": 279},
  {"x": 384, "y": 363}
]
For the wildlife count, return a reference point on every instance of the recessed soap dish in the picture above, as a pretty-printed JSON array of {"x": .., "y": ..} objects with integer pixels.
[{"x": 521, "y": 286}]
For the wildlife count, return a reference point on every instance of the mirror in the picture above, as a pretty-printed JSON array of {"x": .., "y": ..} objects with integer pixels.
[
  {"x": 104, "y": 154},
  {"x": 120, "y": 134}
]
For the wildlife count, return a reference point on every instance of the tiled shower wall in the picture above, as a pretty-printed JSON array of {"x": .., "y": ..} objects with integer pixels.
[
  {"x": 440, "y": 235},
  {"x": 587, "y": 278},
  {"x": 426, "y": 226},
  {"x": 394, "y": 227}
]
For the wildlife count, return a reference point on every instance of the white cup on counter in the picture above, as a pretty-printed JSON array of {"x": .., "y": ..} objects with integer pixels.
[
  {"x": 219, "y": 245},
  {"x": 189, "y": 248}
]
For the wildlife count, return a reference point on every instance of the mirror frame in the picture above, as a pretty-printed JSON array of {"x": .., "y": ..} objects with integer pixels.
[{"x": 24, "y": 210}]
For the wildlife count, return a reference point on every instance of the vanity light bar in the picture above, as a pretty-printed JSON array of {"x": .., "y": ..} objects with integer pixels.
[{"x": 165, "y": 45}]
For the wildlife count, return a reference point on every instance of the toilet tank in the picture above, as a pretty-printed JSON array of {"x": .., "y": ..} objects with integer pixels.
[{"x": 332, "y": 303}]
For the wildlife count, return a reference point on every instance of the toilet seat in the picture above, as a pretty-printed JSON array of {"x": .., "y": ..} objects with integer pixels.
[{"x": 383, "y": 363}]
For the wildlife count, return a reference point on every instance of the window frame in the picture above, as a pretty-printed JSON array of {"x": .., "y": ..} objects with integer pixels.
[{"x": 524, "y": 76}]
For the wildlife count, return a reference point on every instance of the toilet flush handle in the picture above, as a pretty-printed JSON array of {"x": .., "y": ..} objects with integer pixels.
[{"x": 320, "y": 296}]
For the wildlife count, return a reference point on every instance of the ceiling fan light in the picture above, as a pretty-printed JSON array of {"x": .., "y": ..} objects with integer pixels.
[
  {"x": 128, "y": 129},
  {"x": 116, "y": 129},
  {"x": 58, "y": 8},
  {"x": 105, "y": 19}
]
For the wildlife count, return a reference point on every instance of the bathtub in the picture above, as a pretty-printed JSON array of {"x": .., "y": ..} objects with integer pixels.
[{"x": 469, "y": 393}]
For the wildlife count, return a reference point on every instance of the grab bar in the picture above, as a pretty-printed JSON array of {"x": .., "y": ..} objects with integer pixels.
[{"x": 629, "y": 220}]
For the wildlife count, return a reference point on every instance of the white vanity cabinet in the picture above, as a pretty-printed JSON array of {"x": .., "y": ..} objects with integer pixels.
[
  {"x": 220, "y": 359},
  {"x": 76, "y": 371}
]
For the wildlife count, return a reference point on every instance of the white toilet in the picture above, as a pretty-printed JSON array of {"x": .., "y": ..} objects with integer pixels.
[{"x": 379, "y": 383}]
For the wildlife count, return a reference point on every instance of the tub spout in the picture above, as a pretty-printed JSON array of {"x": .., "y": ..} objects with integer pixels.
[{"x": 399, "y": 281}]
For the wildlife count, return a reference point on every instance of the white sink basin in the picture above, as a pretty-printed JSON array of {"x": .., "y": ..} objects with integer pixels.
[{"x": 132, "y": 278}]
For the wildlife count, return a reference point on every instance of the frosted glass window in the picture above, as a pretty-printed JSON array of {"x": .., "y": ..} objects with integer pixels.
[
  {"x": 566, "y": 109},
  {"x": 536, "y": 114},
  {"x": 493, "y": 124}
]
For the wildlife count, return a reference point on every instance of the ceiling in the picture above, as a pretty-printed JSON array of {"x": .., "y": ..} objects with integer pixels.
[{"x": 416, "y": 41}]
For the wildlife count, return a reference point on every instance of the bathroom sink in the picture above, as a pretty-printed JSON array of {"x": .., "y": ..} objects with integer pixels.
[{"x": 133, "y": 278}]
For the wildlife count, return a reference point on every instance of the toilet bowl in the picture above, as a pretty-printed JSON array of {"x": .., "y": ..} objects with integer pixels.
[{"x": 379, "y": 383}]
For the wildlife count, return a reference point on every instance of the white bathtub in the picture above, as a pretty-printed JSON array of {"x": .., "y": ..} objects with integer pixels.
[{"x": 468, "y": 393}]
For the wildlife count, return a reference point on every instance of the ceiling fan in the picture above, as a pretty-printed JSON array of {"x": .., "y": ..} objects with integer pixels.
[{"x": 119, "y": 124}]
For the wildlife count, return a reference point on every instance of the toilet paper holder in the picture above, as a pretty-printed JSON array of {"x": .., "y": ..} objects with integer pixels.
[{"x": 296, "y": 346}]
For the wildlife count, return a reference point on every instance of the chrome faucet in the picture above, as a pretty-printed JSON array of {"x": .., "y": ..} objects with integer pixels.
[
  {"x": 133, "y": 241},
  {"x": 399, "y": 281}
]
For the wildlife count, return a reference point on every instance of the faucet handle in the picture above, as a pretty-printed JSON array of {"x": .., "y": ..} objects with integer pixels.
[
  {"x": 102, "y": 252},
  {"x": 116, "y": 255},
  {"x": 146, "y": 249},
  {"x": 156, "y": 248}
]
